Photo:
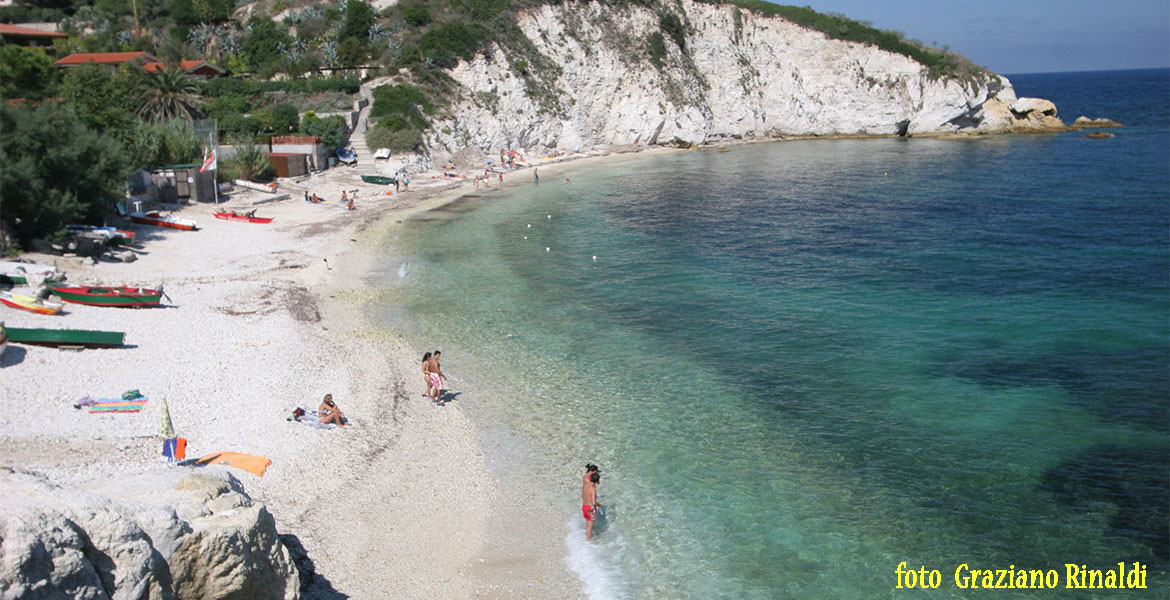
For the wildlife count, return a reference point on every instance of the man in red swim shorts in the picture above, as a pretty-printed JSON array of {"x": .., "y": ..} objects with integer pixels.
[{"x": 589, "y": 503}]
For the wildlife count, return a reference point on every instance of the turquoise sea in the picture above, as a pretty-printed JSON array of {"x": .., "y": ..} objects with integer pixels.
[{"x": 802, "y": 363}]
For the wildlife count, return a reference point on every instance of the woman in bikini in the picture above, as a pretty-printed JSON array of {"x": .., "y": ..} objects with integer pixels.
[{"x": 329, "y": 412}]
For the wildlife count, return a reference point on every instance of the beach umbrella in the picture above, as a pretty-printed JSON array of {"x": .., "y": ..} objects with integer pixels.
[{"x": 165, "y": 429}]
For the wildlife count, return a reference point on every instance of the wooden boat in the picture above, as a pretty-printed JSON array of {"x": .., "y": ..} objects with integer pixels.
[
  {"x": 77, "y": 338},
  {"x": 31, "y": 304},
  {"x": 246, "y": 218},
  {"x": 378, "y": 179},
  {"x": 18, "y": 273},
  {"x": 259, "y": 187},
  {"x": 156, "y": 218},
  {"x": 109, "y": 296}
]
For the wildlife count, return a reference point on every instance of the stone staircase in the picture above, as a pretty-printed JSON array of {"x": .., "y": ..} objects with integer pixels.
[{"x": 357, "y": 140}]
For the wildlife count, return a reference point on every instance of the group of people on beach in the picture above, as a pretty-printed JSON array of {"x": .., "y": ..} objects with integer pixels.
[{"x": 433, "y": 374}]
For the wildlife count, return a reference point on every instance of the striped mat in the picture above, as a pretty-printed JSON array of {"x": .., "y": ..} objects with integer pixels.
[{"x": 117, "y": 406}]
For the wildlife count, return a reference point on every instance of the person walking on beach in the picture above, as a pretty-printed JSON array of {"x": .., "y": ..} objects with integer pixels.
[
  {"x": 501, "y": 177},
  {"x": 436, "y": 376},
  {"x": 535, "y": 176},
  {"x": 589, "y": 504},
  {"x": 426, "y": 369}
]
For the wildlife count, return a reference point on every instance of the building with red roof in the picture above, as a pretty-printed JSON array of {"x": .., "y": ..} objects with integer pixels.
[
  {"x": 195, "y": 68},
  {"x": 28, "y": 36},
  {"x": 106, "y": 58}
]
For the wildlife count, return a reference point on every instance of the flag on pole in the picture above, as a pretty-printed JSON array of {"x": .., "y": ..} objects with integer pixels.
[{"x": 208, "y": 162}]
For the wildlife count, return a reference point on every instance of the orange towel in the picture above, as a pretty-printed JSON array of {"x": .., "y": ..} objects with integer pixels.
[{"x": 248, "y": 462}]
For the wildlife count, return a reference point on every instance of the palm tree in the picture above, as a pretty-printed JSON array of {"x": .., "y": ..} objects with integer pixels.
[{"x": 169, "y": 94}]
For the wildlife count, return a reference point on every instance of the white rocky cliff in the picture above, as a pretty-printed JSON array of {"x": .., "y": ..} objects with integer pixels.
[
  {"x": 176, "y": 534},
  {"x": 737, "y": 76}
]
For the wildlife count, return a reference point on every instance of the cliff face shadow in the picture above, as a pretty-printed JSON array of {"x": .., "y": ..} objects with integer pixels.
[{"x": 314, "y": 586}]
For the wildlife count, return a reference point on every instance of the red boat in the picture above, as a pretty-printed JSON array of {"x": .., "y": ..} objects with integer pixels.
[
  {"x": 109, "y": 296},
  {"x": 245, "y": 217},
  {"x": 156, "y": 218}
]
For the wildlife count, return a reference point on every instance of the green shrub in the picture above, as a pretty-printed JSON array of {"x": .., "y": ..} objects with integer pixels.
[
  {"x": 284, "y": 119},
  {"x": 656, "y": 47},
  {"x": 26, "y": 73},
  {"x": 224, "y": 86},
  {"x": 446, "y": 44},
  {"x": 415, "y": 14},
  {"x": 56, "y": 170},
  {"x": 406, "y": 140},
  {"x": 331, "y": 130},
  {"x": 402, "y": 101},
  {"x": 672, "y": 25},
  {"x": 239, "y": 126}
]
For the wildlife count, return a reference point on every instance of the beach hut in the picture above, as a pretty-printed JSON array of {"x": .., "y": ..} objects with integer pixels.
[{"x": 289, "y": 164}]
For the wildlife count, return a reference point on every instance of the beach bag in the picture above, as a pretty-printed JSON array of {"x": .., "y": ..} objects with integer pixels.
[{"x": 298, "y": 413}]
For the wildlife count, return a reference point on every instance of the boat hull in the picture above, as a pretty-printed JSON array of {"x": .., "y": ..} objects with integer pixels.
[
  {"x": 243, "y": 218},
  {"x": 378, "y": 179},
  {"x": 161, "y": 221},
  {"x": 32, "y": 305},
  {"x": 124, "y": 297},
  {"x": 66, "y": 337}
]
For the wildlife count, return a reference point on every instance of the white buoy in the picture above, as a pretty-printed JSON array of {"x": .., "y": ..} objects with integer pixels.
[
  {"x": 550, "y": 217},
  {"x": 525, "y": 237},
  {"x": 594, "y": 258},
  {"x": 530, "y": 225},
  {"x": 547, "y": 249}
]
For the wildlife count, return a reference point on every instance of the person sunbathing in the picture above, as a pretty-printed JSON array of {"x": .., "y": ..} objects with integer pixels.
[{"x": 329, "y": 412}]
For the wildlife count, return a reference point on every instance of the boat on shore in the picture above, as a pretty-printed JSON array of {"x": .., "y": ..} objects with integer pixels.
[
  {"x": 66, "y": 338},
  {"x": 243, "y": 217},
  {"x": 18, "y": 273},
  {"x": 3, "y": 337},
  {"x": 109, "y": 296},
  {"x": 34, "y": 305},
  {"x": 155, "y": 217},
  {"x": 378, "y": 179},
  {"x": 110, "y": 233},
  {"x": 260, "y": 187}
]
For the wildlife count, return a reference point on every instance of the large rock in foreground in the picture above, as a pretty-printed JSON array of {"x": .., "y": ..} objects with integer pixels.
[{"x": 172, "y": 534}]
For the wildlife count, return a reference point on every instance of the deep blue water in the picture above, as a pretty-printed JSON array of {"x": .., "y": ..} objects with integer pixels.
[{"x": 802, "y": 363}]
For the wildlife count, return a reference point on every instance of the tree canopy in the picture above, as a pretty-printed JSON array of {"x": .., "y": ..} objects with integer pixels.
[{"x": 56, "y": 170}]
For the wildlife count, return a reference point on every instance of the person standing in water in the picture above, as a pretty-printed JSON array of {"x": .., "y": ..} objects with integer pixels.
[
  {"x": 589, "y": 504},
  {"x": 535, "y": 176}
]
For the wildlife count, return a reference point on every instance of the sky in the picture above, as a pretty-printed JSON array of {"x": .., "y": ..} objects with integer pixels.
[{"x": 1039, "y": 36}]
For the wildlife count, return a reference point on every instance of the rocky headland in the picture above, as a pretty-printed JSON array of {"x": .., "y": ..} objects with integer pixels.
[{"x": 734, "y": 75}]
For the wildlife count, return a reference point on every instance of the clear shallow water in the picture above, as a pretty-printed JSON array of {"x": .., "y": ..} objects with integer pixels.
[{"x": 800, "y": 364}]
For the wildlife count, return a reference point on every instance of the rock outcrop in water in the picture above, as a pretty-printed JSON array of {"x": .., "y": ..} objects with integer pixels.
[
  {"x": 163, "y": 535},
  {"x": 734, "y": 75}
]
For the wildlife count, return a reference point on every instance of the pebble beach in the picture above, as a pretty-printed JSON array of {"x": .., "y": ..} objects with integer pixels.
[{"x": 261, "y": 319}]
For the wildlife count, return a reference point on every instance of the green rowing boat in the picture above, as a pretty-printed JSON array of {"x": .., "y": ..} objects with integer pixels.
[
  {"x": 378, "y": 179},
  {"x": 66, "y": 337}
]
